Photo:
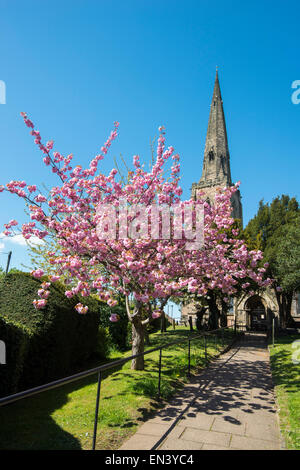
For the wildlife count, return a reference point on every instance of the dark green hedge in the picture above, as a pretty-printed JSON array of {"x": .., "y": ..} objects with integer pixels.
[
  {"x": 118, "y": 331},
  {"x": 17, "y": 340},
  {"x": 42, "y": 345}
]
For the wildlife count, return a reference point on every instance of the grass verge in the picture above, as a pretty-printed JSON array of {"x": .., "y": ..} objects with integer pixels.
[
  {"x": 286, "y": 376},
  {"x": 63, "y": 418}
]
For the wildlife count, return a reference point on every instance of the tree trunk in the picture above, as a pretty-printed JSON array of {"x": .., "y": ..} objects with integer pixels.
[
  {"x": 147, "y": 337},
  {"x": 200, "y": 314},
  {"x": 223, "y": 317},
  {"x": 138, "y": 338},
  {"x": 163, "y": 328},
  {"x": 288, "y": 308},
  {"x": 214, "y": 313},
  {"x": 279, "y": 298},
  {"x": 191, "y": 323}
]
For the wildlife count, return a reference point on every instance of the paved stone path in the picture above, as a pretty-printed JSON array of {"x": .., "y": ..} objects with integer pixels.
[{"x": 230, "y": 405}]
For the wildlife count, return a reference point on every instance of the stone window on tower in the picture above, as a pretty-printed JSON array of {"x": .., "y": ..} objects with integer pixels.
[
  {"x": 222, "y": 158},
  {"x": 211, "y": 154}
]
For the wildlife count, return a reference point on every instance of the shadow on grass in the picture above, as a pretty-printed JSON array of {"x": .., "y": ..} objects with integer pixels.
[
  {"x": 27, "y": 424},
  {"x": 173, "y": 376}
]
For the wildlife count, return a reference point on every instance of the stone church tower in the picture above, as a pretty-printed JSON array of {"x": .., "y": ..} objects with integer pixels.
[
  {"x": 254, "y": 311},
  {"x": 216, "y": 163}
]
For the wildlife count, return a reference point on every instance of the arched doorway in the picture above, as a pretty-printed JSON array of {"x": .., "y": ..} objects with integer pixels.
[{"x": 256, "y": 314}]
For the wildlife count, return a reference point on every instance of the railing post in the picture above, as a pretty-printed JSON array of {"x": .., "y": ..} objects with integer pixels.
[
  {"x": 205, "y": 349},
  {"x": 189, "y": 359},
  {"x": 97, "y": 410},
  {"x": 159, "y": 372}
]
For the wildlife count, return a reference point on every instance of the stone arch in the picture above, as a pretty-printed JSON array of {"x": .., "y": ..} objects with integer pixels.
[
  {"x": 254, "y": 300},
  {"x": 257, "y": 312},
  {"x": 244, "y": 304},
  {"x": 267, "y": 298}
]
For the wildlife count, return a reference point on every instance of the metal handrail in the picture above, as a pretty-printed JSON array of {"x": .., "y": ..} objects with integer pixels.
[{"x": 98, "y": 370}]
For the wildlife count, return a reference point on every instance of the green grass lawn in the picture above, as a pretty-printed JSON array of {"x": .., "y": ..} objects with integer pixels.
[
  {"x": 286, "y": 376},
  {"x": 63, "y": 418}
]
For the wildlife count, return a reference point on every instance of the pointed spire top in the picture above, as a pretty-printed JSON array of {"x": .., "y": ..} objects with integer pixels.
[
  {"x": 217, "y": 76},
  {"x": 217, "y": 89},
  {"x": 216, "y": 165}
]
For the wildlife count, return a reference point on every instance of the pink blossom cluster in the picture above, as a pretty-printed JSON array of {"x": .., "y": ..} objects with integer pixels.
[
  {"x": 114, "y": 317},
  {"x": 81, "y": 308},
  {"x": 38, "y": 304},
  {"x": 156, "y": 314}
]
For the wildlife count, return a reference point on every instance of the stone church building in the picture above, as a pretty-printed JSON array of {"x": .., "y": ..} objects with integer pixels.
[{"x": 257, "y": 311}]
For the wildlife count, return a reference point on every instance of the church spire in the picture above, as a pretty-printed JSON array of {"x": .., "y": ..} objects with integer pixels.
[{"x": 216, "y": 163}]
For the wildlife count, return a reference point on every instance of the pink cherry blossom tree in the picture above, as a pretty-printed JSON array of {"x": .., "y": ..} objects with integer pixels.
[{"x": 131, "y": 237}]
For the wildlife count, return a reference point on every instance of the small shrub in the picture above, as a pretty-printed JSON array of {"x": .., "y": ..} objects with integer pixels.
[
  {"x": 148, "y": 387},
  {"x": 155, "y": 325},
  {"x": 117, "y": 330},
  {"x": 104, "y": 344}
]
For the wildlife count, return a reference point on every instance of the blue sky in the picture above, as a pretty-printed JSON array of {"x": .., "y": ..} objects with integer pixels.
[{"x": 77, "y": 66}]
